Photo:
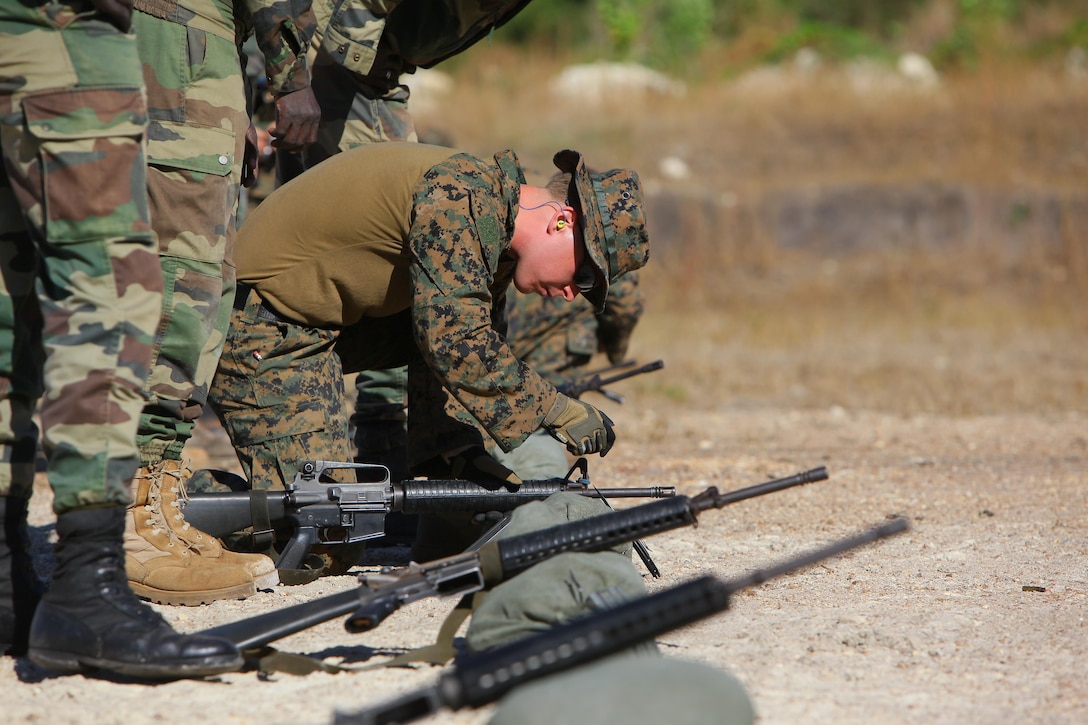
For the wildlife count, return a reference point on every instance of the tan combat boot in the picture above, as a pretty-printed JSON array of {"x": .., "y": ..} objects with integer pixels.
[
  {"x": 165, "y": 569},
  {"x": 172, "y": 491}
]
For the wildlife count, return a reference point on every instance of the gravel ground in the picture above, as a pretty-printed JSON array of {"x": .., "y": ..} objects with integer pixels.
[{"x": 935, "y": 625}]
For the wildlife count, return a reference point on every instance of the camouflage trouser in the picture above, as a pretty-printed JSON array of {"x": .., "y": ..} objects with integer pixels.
[
  {"x": 553, "y": 336},
  {"x": 279, "y": 389},
  {"x": 196, "y": 143},
  {"x": 79, "y": 284},
  {"x": 379, "y": 421},
  {"x": 279, "y": 392}
]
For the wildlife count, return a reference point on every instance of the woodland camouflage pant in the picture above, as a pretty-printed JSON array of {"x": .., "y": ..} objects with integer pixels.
[
  {"x": 196, "y": 102},
  {"x": 80, "y": 291}
]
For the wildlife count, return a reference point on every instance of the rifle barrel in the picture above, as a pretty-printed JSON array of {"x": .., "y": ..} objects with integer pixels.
[
  {"x": 648, "y": 492},
  {"x": 647, "y": 368},
  {"x": 710, "y": 498}
]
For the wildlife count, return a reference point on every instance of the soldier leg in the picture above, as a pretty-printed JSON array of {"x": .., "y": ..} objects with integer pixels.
[
  {"x": 279, "y": 392},
  {"x": 379, "y": 431},
  {"x": 198, "y": 124},
  {"x": 379, "y": 422},
  {"x": 21, "y": 361},
  {"x": 99, "y": 296},
  {"x": 197, "y": 137}
]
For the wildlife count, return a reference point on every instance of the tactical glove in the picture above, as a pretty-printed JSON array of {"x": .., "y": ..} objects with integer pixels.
[
  {"x": 474, "y": 464},
  {"x": 580, "y": 426}
]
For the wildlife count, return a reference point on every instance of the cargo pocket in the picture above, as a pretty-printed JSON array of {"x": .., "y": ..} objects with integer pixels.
[
  {"x": 87, "y": 139},
  {"x": 294, "y": 384},
  {"x": 190, "y": 188}
]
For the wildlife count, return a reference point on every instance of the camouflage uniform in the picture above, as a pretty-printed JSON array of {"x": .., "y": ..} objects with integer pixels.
[
  {"x": 554, "y": 336},
  {"x": 199, "y": 117},
  {"x": 461, "y": 210},
  {"x": 74, "y": 215}
]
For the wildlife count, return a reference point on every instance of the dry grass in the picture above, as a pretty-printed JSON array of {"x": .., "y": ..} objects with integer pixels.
[{"x": 986, "y": 317}]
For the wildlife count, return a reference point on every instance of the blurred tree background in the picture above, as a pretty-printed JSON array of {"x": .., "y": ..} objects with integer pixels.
[{"x": 682, "y": 36}]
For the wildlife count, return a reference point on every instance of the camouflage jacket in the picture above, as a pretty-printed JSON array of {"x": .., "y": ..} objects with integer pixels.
[
  {"x": 381, "y": 39},
  {"x": 283, "y": 29},
  {"x": 463, "y": 222}
]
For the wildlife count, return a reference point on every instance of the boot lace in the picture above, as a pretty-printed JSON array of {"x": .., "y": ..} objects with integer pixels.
[
  {"x": 179, "y": 496},
  {"x": 157, "y": 520}
]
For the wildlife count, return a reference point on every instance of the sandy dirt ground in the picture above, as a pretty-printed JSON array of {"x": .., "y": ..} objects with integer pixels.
[{"x": 932, "y": 626}]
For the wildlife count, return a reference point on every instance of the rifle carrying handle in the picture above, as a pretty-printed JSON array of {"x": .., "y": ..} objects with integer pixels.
[
  {"x": 597, "y": 533},
  {"x": 485, "y": 677}
]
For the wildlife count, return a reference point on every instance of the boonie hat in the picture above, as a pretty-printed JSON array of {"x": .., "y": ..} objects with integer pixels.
[{"x": 613, "y": 214}]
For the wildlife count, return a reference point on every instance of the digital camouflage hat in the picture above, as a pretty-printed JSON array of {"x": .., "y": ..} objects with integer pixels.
[{"x": 613, "y": 214}]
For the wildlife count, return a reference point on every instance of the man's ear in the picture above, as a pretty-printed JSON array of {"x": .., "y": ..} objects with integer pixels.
[{"x": 566, "y": 218}]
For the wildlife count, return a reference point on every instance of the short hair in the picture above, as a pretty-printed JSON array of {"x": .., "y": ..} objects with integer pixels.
[{"x": 558, "y": 187}]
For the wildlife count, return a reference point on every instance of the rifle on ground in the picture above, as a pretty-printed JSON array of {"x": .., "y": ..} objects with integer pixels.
[
  {"x": 594, "y": 382},
  {"x": 321, "y": 509},
  {"x": 480, "y": 679},
  {"x": 493, "y": 562}
]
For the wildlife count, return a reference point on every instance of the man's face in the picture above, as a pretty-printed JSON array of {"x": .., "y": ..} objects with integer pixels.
[{"x": 548, "y": 265}]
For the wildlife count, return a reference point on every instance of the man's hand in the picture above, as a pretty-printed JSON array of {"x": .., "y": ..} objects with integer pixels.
[
  {"x": 580, "y": 426},
  {"x": 117, "y": 12},
  {"x": 297, "y": 119}
]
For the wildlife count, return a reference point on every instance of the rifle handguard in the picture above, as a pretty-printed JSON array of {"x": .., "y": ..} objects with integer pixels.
[
  {"x": 437, "y": 496},
  {"x": 597, "y": 533},
  {"x": 485, "y": 677}
]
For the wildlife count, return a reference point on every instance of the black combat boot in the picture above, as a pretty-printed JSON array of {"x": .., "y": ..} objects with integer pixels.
[
  {"x": 20, "y": 588},
  {"x": 89, "y": 619}
]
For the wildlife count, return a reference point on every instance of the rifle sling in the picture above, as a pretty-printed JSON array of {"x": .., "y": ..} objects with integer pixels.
[
  {"x": 270, "y": 660},
  {"x": 441, "y": 650},
  {"x": 263, "y": 534}
]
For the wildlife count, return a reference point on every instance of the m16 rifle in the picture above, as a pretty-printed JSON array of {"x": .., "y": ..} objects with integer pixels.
[
  {"x": 323, "y": 510},
  {"x": 595, "y": 383},
  {"x": 483, "y": 678},
  {"x": 489, "y": 564}
]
